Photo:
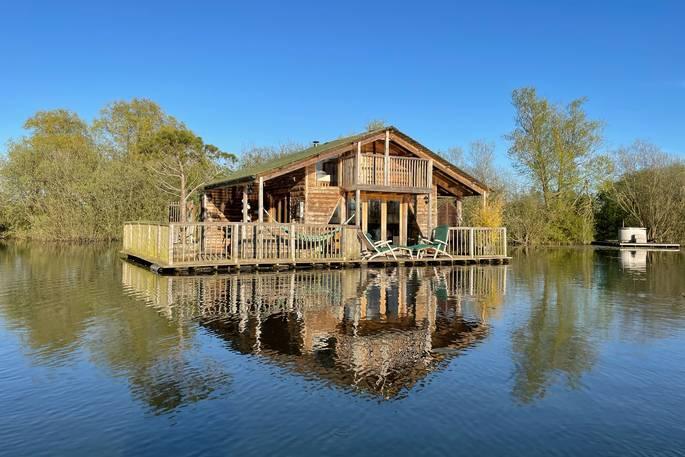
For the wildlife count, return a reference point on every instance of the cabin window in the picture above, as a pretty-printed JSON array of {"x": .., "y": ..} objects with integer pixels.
[
  {"x": 374, "y": 219},
  {"x": 327, "y": 173},
  {"x": 392, "y": 230}
]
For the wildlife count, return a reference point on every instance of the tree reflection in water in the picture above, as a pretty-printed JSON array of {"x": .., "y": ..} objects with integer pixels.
[{"x": 579, "y": 297}]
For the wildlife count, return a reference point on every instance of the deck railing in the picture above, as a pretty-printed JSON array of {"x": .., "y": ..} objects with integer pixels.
[
  {"x": 236, "y": 243},
  {"x": 408, "y": 172},
  {"x": 148, "y": 240},
  {"x": 477, "y": 241},
  {"x": 216, "y": 243}
]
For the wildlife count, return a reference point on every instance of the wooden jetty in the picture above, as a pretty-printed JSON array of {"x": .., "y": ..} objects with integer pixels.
[
  {"x": 178, "y": 246},
  {"x": 310, "y": 207},
  {"x": 630, "y": 245}
]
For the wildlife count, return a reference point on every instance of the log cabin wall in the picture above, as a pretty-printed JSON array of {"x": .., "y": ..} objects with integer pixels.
[
  {"x": 223, "y": 205},
  {"x": 421, "y": 209}
]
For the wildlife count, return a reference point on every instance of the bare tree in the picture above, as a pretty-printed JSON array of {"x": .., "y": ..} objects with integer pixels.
[
  {"x": 184, "y": 163},
  {"x": 651, "y": 189}
]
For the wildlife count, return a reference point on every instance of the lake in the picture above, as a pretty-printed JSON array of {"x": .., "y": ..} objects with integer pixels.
[{"x": 565, "y": 351}]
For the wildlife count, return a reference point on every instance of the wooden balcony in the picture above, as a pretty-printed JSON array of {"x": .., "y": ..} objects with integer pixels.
[{"x": 375, "y": 172}]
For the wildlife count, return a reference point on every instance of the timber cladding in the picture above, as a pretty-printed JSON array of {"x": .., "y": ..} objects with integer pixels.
[
  {"x": 223, "y": 204},
  {"x": 422, "y": 211}
]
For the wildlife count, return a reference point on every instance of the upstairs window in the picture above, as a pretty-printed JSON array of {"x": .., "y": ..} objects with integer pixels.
[{"x": 327, "y": 173}]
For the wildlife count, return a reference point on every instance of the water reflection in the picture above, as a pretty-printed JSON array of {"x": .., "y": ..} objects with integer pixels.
[
  {"x": 580, "y": 298},
  {"x": 634, "y": 261},
  {"x": 582, "y": 321},
  {"x": 65, "y": 302},
  {"x": 373, "y": 331}
]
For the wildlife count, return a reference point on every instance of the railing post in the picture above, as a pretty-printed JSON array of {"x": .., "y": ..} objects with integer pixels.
[
  {"x": 504, "y": 240},
  {"x": 234, "y": 242},
  {"x": 171, "y": 244},
  {"x": 471, "y": 242},
  {"x": 158, "y": 249},
  {"x": 291, "y": 240}
]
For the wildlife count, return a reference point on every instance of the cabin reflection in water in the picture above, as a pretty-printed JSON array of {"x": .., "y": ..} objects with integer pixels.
[{"x": 373, "y": 330}]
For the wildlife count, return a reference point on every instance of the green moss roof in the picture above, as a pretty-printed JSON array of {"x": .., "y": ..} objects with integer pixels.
[{"x": 251, "y": 173}]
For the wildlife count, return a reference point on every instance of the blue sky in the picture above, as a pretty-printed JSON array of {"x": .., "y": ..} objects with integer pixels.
[{"x": 243, "y": 73}]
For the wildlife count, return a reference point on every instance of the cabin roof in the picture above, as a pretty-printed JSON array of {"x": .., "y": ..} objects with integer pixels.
[{"x": 250, "y": 174}]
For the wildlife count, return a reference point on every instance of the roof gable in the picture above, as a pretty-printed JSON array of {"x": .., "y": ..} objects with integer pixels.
[{"x": 250, "y": 174}]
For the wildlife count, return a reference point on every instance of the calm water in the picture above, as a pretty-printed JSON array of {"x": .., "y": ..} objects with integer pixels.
[{"x": 562, "y": 352}]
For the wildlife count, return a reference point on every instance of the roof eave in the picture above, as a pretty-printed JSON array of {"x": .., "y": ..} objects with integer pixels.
[{"x": 231, "y": 182}]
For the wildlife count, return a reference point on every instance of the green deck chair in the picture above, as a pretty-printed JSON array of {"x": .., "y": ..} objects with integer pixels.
[
  {"x": 437, "y": 243},
  {"x": 380, "y": 248}
]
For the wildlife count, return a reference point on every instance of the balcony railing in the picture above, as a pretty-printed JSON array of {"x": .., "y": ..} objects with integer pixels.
[{"x": 376, "y": 170}]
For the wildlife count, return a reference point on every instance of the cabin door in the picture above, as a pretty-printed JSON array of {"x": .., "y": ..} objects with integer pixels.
[{"x": 384, "y": 217}]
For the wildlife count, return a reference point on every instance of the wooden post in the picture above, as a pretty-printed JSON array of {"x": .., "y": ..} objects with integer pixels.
[
  {"x": 245, "y": 204},
  {"x": 430, "y": 196},
  {"x": 403, "y": 222},
  {"x": 203, "y": 207},
  {"x": 384, "y": 220},
  {"x": 430, "y": 213},
  {"x": 364, "y": 210},
  {"x": 386, "y": 159},
  {"x": 343, "y": 207},
  {"x": 260, "y": 218},
  {"x": 471, "y": 242},
  {"x": 291, "y": 241},
  {"x": 357, "y": 207},
  {"x": 171, "y": 244},
  {"x": 504, "y": 240},
  {"x": 234, "y": 243},
  {"x": 158, "y": 248},
  {"x": 358, "y": 162}
]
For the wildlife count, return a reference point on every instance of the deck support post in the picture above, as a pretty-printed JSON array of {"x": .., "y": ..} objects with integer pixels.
[
  {"x": 260, "y": 218},
  {"x": 430, "y": 197},
  {"x": 430, "y": 214},
  {"x": 357, "y": 208}
]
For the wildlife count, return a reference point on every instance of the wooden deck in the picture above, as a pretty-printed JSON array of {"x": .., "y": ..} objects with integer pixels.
[{"x": 176, "y": 246}]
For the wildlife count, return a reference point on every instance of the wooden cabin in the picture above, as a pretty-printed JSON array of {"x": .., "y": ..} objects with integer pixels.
[
  {"x": 401, "y": 188},
  {"x": 310, "y": 207}
]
